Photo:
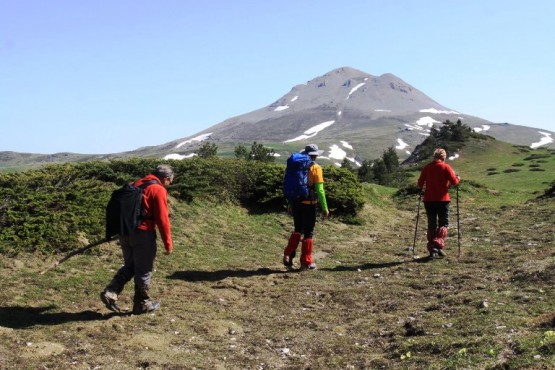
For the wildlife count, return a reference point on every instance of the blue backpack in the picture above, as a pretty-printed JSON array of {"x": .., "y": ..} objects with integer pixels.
[{"x": 295, "y": 182}]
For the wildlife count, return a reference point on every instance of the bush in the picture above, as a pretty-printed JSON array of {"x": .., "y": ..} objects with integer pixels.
[{"x": 50, "y": 209}]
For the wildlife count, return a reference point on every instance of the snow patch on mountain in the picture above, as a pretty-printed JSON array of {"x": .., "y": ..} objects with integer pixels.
[
  {"x": 436, "y": 111},
  {"x": 422, "y": 124},
  {"x": 346, "y": 145},
  {"x": 311, "y": 132},
  {"x": 179, "y": 156},
  {"x": 295, "y": 98},
  {"x": 402, "y": 145},
  {"x": 546, "y": 139},
  {"x": 355, "y": 89},
  {"x": 337, "y": 153},
  {"x": 426, "y": 121},
  {"x": 197, "y": 138},
  {"x": 281, "y": 107},
  {"x": 483, "y": 128}
]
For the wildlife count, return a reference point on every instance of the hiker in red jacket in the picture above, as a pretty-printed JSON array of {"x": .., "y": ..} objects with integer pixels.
[
  {"x": 139, "y": 249},
  {"x": 304, "y": 214},
  {"x": 437, "y": 176}
]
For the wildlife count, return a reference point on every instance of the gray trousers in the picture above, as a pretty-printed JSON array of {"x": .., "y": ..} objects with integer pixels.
[{"x": 139, "y": 252}]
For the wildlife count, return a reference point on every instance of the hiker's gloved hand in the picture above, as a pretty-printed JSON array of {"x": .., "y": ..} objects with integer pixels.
[{"x": 420, "y": 191}]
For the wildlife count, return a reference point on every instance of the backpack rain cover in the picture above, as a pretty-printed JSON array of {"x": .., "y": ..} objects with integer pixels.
[{"x": 295, "y": 182}]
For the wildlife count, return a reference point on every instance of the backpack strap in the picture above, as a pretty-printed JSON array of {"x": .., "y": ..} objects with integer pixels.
[{"x": 145, "y": 185}]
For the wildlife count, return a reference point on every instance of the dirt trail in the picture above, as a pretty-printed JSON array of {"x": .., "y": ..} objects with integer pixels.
[{"x": 368, "y": 305}]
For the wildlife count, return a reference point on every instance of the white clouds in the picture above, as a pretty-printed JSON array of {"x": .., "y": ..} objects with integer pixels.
[
  {"x": 197, "y": 138},
  {"x": 311, "y": 132},
  {"x": 546, "y": 139}
]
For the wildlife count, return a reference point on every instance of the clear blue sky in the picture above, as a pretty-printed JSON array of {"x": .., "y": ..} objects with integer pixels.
[{"x": 107, "y": 76}]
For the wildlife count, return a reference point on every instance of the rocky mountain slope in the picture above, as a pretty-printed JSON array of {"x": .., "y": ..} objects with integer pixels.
[{"x": 349, "y": 113}]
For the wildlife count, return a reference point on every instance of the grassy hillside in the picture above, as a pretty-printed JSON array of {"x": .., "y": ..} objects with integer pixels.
[
  {"x": 228, "y": 303},
  {"x": 511, "y": 169}
]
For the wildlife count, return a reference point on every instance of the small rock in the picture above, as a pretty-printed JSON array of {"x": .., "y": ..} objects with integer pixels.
[{"x": 284, "y": 351}]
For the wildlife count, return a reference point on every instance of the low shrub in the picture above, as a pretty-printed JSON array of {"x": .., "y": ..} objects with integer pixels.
[{"x": 50, "y": 209}]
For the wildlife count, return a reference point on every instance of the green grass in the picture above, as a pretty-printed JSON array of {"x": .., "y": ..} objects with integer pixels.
[
  {"x": 479, "y": 158},
  {"x": 228, "y": 303}
]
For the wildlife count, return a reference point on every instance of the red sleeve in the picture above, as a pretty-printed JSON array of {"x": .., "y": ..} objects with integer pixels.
[
  {"x": 161, "y": 215},
  {"x": 453, "y": 180}
]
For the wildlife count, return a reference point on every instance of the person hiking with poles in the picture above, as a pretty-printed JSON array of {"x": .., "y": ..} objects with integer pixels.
[
  {"x": 437, "y": 176},
  {"x": 304, "y": 188},
  {"x": 139, "y": 248}
]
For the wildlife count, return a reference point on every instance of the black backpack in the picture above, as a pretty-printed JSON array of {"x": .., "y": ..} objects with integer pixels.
[{"x": 125, "y": 211}]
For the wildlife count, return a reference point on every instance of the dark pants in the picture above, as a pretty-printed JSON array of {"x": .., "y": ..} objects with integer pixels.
[
  {"x": 438, "y": 214},
  {"x": 304, "y": 218},
  {"x": 139, "y": 251}
]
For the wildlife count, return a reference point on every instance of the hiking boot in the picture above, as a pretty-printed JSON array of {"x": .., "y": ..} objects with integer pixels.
[
  {"x": 288, "y": 261},
  {"x": 434, "y": 253},
  {"x": 145, "y": 307},
  {"x": 312, "y": 266},
  {"x": 110, "y": 300},
  {"x": 441, "y": 253}
]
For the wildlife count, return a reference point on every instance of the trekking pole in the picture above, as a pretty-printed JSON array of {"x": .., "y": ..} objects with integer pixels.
[
  {"x": 80, "y": 250},
  {"x": 458, "y": 223},
  {"x": 416, "y": 227}
]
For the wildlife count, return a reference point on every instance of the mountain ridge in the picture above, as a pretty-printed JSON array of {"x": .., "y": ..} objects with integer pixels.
[{"x": 349, "y": 113}]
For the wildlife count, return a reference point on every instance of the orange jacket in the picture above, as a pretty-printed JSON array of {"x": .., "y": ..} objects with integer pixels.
[
  {"x": 437, "y": 176},
  {"x": 155, "y": 202}
]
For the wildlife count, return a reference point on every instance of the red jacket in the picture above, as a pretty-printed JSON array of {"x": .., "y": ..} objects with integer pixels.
[
  {"x": 155, "y": 202},
  {"x": 437, "y": 176}
]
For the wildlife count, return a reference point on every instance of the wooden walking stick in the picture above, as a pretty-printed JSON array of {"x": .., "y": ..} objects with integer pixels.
[{"x": 80, "y": 250}]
